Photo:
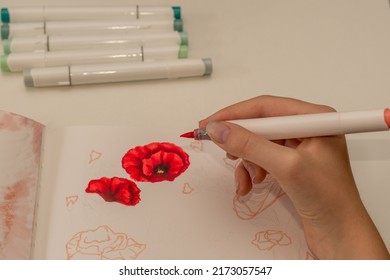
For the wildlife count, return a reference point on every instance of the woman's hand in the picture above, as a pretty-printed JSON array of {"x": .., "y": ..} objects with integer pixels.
[{"x": 314, "y": 172}]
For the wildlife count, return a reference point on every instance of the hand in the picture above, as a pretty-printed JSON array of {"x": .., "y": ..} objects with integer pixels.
[{"x": 314, "y": 172}]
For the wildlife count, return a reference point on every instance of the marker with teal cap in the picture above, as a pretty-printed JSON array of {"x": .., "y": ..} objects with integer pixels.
[
  {"x": 84, "y": 27},
  {"x": 4, "y": 15},
  {"x": 108, "y": 41},
  {"x": 63, "y": 13},
  {"x": 17, "y": 62}
]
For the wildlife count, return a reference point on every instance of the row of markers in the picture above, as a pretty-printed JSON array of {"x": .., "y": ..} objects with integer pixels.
[{"x": 75, "y": 45}]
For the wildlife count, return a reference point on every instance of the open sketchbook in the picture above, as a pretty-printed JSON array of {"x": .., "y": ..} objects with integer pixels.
[{"x": 117, "y": 192}]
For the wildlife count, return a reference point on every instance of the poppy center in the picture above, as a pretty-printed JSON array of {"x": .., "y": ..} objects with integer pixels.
[{"x": 161, "y": 169}]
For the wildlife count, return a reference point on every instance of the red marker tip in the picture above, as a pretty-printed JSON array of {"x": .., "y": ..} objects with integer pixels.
[{"x": 190, "y": 134}]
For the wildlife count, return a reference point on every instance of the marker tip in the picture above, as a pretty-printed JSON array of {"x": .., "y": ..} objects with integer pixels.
[{"x": 188, "y": 134}]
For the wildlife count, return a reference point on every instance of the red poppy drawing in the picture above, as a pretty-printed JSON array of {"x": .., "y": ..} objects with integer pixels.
[
  {"x": 155, "y": 162},
  {"x": 115, "y": 189}
]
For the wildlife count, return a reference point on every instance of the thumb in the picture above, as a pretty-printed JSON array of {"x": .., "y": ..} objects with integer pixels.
[{"x": 244, "y": 144}]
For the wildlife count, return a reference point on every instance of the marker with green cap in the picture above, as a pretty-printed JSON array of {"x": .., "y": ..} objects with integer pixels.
[
  {"x": 17, "y": 62},
  {"x": 6, "y": 46},
  {"x": 64, "y": 13},
  {"x": 4, "y": 64},
  {"x": 4, "y": 31},
  {"x": 9, "y": 30},
  {"x": 116, "y": 41},
  {"x": 95, "y": 27}
]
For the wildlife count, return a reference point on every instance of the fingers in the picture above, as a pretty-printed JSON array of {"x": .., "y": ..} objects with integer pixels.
[
  {"x": 248, "y": 174},
  {"x": 265, "y": 106},
  {"x": 241, "y": 143},
  {"x": 243, "y": 180},
  {"x": 229, "y": 156},
  {"x": 255, "y": 172},
  {"x": 258, "y": 153}
]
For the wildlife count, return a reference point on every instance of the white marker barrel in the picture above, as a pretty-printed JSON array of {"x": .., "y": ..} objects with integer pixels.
[
  {"x": 118, "y": 72},
  {"x": 60, "y": 43},
  {"x": 88, "y": 27},
  {"x": 16, "y": 62},
  {"x": 65, "y": 13},
  {"x": 302, "y": 126}
]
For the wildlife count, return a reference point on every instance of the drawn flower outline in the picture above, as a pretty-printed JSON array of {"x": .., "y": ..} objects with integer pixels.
[
  {"x": 103, "y": 243},
  {"x": 115, "y": 189},
  {"x": 266, "y": 240},
  {"x": 155, "y": 162}
]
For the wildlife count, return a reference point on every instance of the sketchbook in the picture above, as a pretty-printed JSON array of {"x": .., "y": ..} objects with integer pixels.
[{"x": 119, "y": 192}]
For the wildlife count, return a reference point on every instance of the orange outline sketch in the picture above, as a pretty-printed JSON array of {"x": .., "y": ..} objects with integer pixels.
[
  {"x": 262, "y": 197},
  {"x": 94, "y": 156},
  {"x": 103, "y": 243},
  {"x": 71, "y": 200},
  {"x": 187, "y": 189},
  {"x": 266, "y": 240},
  {"x": 197, "y": 146}
]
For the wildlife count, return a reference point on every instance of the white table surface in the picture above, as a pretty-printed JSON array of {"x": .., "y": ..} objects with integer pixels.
[{"x": 330, "y": 52}]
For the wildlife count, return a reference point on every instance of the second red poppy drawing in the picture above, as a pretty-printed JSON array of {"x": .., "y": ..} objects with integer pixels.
[
  {"x": 115, "y": 189},
  {"x": 155, "y": 162}
]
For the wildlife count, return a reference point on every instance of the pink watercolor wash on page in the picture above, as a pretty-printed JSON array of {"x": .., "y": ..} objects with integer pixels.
[{"x": 20, "y": 144}]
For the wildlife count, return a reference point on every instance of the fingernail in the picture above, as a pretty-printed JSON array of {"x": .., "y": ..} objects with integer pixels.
[
  {"x": 237, "y": 186},
  {"x": 218, "y": 131},
  {"x": 251, "y": 171}
]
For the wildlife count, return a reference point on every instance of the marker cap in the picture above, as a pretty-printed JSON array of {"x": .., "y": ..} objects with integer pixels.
[
  {"x": 178, "y": 25},
  {"x": 28, "y": 79},
  {"x": 4, "y": 31},
  {"x": 4, "y": 63},
  {"x": 177, "y": 12},
  {"x": 209, "y": 66},
  {"x": 4, "y": 15},
  {"x": 183, "y": 51},
  {"x": 46, "y": 77},
  {"x": 184, "y": 38},
  {"x": 7, "y": 46}
]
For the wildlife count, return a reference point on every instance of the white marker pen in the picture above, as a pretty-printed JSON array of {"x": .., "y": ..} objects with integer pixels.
[
  {"x": 88, "y": 27},
  {"x": 310, "y": 125},
  {"x": 59, "y": 43},
  {"x": 63, "y": 13},
  {"x": 16, "y": 62},
  {"x": 22, "y": 29},
  {"x": 118, "y": 72}
]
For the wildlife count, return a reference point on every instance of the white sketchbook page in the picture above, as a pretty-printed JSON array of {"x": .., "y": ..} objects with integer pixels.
[{"x": 196, "y": 216}]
